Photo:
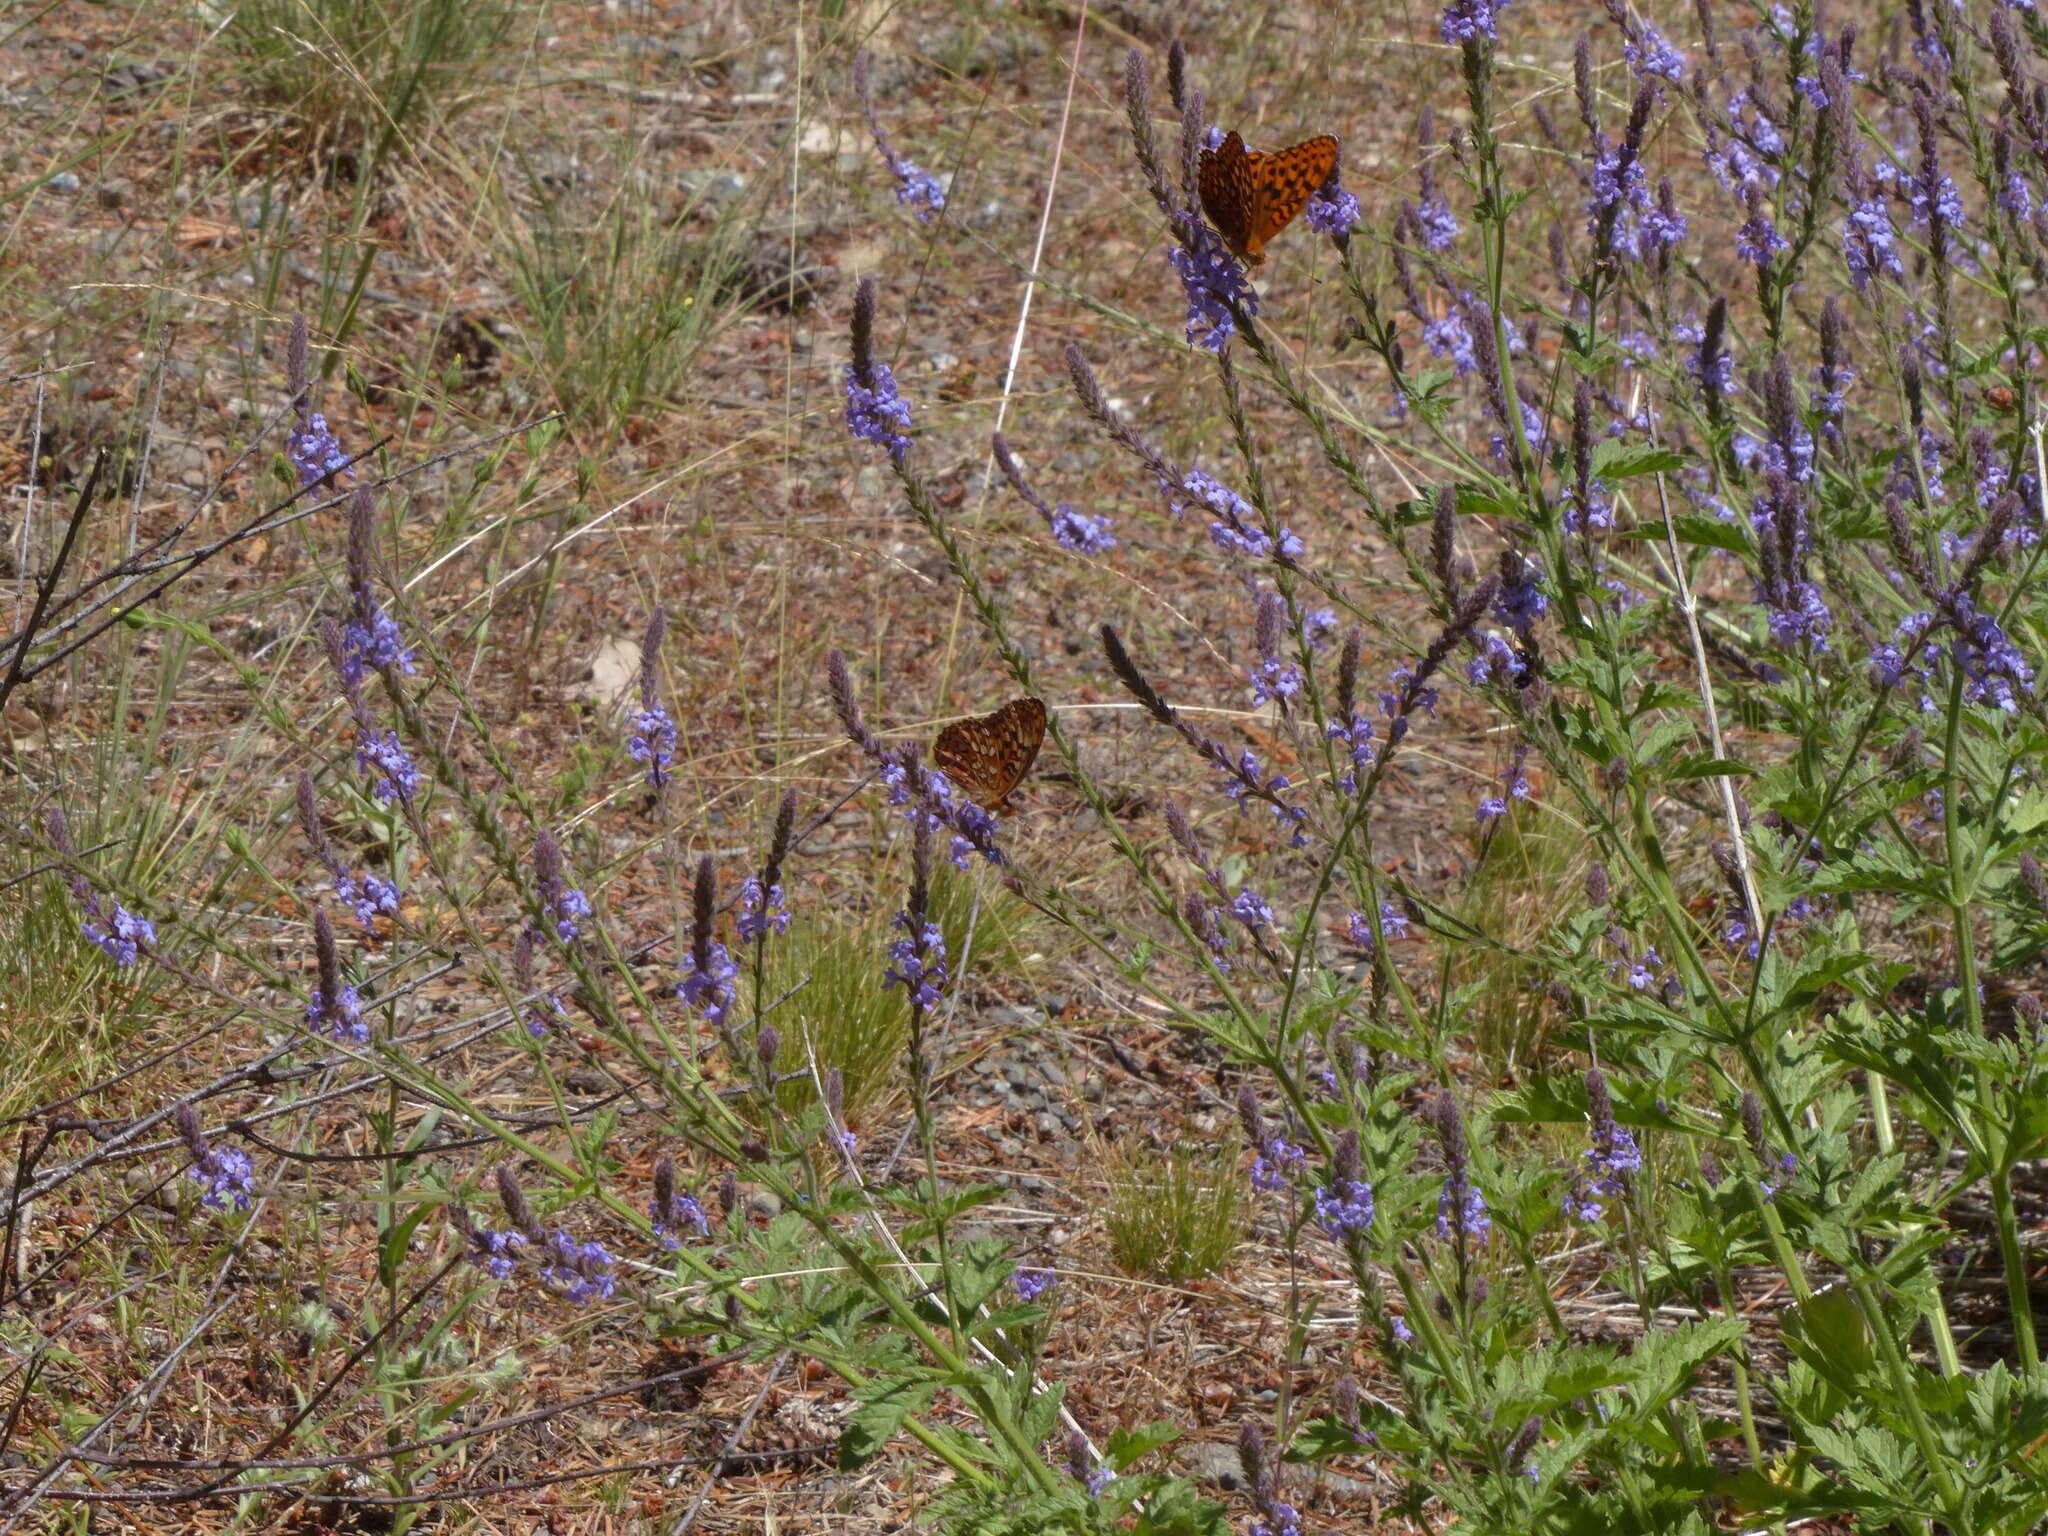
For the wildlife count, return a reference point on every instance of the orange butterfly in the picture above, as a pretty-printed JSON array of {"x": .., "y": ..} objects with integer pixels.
[
  {"x": 1251, "y": 197},
  {"x": 989, "y": 755}
]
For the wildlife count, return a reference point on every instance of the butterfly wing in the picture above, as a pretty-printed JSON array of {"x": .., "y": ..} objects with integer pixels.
[
  {"x": 1283, "y": 183},
  {"x": 989, "y": 755},
  {"x": 1225, "y": 181}
]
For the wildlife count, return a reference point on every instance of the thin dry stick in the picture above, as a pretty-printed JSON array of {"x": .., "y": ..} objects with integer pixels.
[
  {"x": 28, "y": 506},
  {"x": 732, "y": 1442},
  {"x": 1052, "y": 182},
  {"x": 156, "y": 407},
  {"x": 1682, "y": 586}
]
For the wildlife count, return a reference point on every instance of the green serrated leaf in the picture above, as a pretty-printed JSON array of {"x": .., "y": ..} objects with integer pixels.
[
  {"x": 1708, "y": 768},
  {"x": 883, "y": 1407},
  {"x": 1696, "y": 528},
  {"x": 1616, "y": 460}
]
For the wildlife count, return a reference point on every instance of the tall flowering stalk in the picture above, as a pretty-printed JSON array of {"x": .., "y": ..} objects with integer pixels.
[
  {"x": 121, "y": 935},
  {"x": 652, "y": 742}
]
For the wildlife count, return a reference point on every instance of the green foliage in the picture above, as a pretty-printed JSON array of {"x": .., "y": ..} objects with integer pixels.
[
  {"x": 368, "y": 75},
  {"x": 1175, "y": 1215},
  {"x": 619, "y": 298}
]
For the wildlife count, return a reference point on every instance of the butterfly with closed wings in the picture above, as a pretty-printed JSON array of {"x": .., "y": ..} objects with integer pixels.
[
  {"x": 987, "y": 756},
  {"x": 1250, "y": 197}
]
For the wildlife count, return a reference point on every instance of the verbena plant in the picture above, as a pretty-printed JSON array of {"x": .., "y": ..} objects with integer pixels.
[{"x": 1734, "y": 511}]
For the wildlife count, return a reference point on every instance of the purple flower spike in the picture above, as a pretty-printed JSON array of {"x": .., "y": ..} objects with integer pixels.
[
  {"x": 1333, "y": 211},
  {"x": 564, "y": 905},
  {"x": 582, "y": 1271},
  {"x": 334, "y": 1009},
  {"x": 223, "y": 1172},
  {"x": 1612, "y": 1156},
  {"x": 875, "y": 411},
  {"x": 1460, "y": 1209},
  {"x": 1470, "y": 21},
  {"x": 1032, "y": 1282},
  {"x": 1214, "y": 284},
  {"x": 915, "y": 187},
  {"x": 671, "y": 1211}
]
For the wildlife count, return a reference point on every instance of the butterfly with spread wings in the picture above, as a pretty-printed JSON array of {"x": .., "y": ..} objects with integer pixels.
[
  {"x": 987, "y": 756},
  {"x": 1250, "y": 197}
]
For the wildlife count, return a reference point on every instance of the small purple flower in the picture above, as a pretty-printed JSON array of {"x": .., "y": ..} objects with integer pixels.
[
  {"x": 1449, "y": 338},
  {"x": 1398, "y": 1326},
  {"x": 1758, "y": 240},
  {"x": 914, "y": 187},
  {"x": 917, "y": 188},
  {"x": 582, "y": 1271},
  {"x": 382, "y": 758},
  {"x": 337, "y": 1014},
  {"x": 367, "y": 896},
  {"x": 1869, "y": 247},
  {"x": 1082, "y": 1465},
  {"x": 374, "y": 642},
  {"x": 121, "y": 935},
  {"x": 315, "y": 452},
  {"x": 759, "y": 914},
  {"x": 1438, "y": 225},
  {"x": 492, "y": 1251},
  {"x": 1520, "y": 602},
  {"x": 875, "y": 410},
  {"x": 1332, "y": 210},
  {"x": 1649, "y": 55},
  {"x": 1274, "y": 679},
  {"x": 1080, "y": 532},
  {"x": 1460, "y": 1208},
  {"x": 1249, "y": 908},
  {"x": 1356, "y": 735},
  {"x": 564, "y": 905},
  {"x": 1278, "y": 1160},
  {"x": 1935, "y": 199},
  {"x": 2016, "y": 197},
  {"x": 1032, "y": 1282},
  {"x": 709, "y": 987},
  {"x": 681, "y": 1211},
  {"x": 1612, "y": 1155},
  {"x": 1213, "y": 283},
  {"x": 1468, "y": 21},
  {"x": 918, "y": 962},
  {"x": 653, "y": 742},
  {"x": 224, "y": 1172},
  {"x": 1344, "y": 1208},
  {"x": 1496, "y": 659}
]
